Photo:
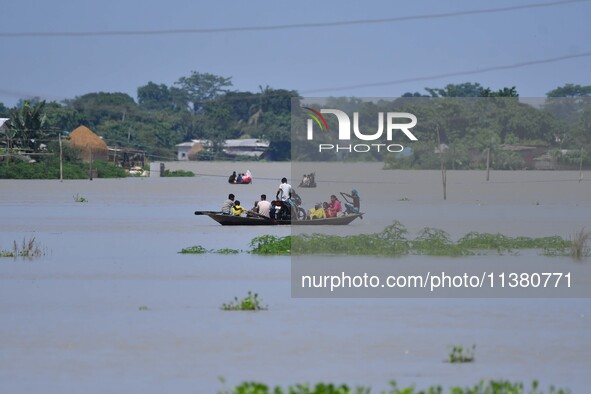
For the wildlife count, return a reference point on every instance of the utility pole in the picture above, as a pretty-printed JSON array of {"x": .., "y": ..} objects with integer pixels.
[
  {"x": 90, "y": 164},
  {"x": 61, "y": 159},
  {"x": 487, "y": 163}
]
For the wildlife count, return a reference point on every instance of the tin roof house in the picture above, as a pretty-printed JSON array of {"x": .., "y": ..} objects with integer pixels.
[{"x": 248, "y": 147}]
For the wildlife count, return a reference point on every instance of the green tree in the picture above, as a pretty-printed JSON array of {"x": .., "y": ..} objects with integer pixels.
[
  {"x": 504, "y": 92},
  {"x": 466, "y": 89},
  {"x": 155, "y": 97},
  {"x": 202, "y": 87},
  {"x": 99, "y": 107},
  {"x": 4, "y": 111},
  {"x": 570, "y": 90}
]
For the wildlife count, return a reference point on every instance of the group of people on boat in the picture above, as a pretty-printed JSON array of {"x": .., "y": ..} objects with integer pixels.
[
  {"x": 242, "y": 178},
  {"x": 287, "y": 205},
  {"x": 308, "y": 180},
  {"x": 334, "y": 208}
]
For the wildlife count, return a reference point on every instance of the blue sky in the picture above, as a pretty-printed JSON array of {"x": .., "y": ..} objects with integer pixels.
[{"x": 311, "y": 60}]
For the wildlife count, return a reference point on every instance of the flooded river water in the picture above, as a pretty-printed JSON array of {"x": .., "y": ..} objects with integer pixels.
[{"x": 113, "y": 307}]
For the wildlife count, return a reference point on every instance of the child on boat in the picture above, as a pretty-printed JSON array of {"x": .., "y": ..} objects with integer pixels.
[{"x": 237, "y": 210}]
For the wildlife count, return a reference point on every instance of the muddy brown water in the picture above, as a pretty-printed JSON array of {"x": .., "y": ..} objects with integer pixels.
[{"x": 71, "y": 319}]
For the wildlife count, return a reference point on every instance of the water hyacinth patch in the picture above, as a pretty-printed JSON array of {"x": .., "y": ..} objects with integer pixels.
[{"x": 251, "y": 302}]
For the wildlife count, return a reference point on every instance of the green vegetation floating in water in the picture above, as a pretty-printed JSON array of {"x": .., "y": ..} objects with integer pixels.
[
  {"x": 271, "y": 245},
  {"x": 227, "y": 251},
  {"x": 460, "y": 354},
  {"x": 251, "y": 302},
  {"x": 393, "y": 241},
  {"x": 197, "y": 249},
  {"x": 484, "y": 387},
  {"x": 179, "y": 173}
]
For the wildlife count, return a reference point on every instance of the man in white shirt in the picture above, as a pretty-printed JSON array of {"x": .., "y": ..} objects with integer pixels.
[
  {"x": 264, "y": 207},
  {"x": 284, "y": 191},
  {"x": 284, "y": 194}
]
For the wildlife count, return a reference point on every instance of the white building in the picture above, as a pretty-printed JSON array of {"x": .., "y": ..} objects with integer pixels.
[{"x": 250, "y": 147}]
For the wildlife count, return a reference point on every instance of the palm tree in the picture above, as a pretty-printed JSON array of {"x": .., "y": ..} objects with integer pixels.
[{"x": 27, "y": 125}]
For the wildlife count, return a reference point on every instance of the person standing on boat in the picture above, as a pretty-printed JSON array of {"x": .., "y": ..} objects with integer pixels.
[
  {"x": 228, "y": 204},
  {"x": 284, "y": 194},
  {"x": 263, "y": 207},
  {"x": 232, "y": 178},
  {"x": 353, "y": 201}
]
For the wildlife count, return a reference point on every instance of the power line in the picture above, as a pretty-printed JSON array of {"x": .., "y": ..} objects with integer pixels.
[
  {"x": 451, "y": 74},
  {"x": 405, "y": 80},
  {"x": 287, "y": 26}
]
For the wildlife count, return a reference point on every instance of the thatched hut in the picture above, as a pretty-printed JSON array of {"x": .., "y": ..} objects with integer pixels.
[{"x": 86, "y": 141}]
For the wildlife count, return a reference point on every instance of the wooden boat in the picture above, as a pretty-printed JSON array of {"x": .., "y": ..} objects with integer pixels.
[{"x": 259, "y": 220}]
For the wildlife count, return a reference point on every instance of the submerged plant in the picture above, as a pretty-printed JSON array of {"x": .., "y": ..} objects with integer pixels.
[
  {"x": 578, "y": 247},
  {"x": 197, "y": 249},
  {"x": 227, "y": 251},
  {"x": 483, "y": 387},
  {"x": 77, "y": 198},
  {"x": 251, "y": 302},
  {"x": 28, "y": 248},
  {"x": 460, "y": 354}
]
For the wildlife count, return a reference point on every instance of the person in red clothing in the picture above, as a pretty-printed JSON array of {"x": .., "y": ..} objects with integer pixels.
[{"x": 334, "y": 207}]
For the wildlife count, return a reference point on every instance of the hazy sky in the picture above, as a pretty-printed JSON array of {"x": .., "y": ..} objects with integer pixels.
[{"x": 312, "y": 60}]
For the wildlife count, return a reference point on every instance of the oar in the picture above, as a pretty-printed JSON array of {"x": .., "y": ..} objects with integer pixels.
[
  {"x": 205, "y": 212},
  {"x": 260, "y": 216}
]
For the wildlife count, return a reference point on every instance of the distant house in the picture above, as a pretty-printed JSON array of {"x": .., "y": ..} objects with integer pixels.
[
  {"x": 248, "y": 147},
  {"x": 528, "y": 153},
  {"x": 188, "y": 150},
  {"x": 90, "y": 145},
  {"x": 126, "y": 157}
]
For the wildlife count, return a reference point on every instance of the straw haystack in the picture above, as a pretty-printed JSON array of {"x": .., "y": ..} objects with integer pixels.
[
  {"x": 86, "y": 141},
  {"x": 195, "y": 149}
]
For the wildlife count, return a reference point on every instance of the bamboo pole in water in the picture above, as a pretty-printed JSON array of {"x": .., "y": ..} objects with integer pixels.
[
  {"x": 443, "y": 170},
  {"x": 61, "y": 159}
]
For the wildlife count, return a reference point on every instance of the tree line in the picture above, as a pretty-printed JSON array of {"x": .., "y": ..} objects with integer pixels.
[
  {"x": 466, "y": 126},
  {"x": 204, "y": 106}
]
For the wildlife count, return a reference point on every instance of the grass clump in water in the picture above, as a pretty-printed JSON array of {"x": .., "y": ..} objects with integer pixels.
[
  {"x": 460, "y": 354},
  {"x": 197, "y": 249},
  {"x": 227, "y": 251},
  {"x": 78, "y": 198},
  {"x": 28, "y": 248},
  {"x": 251, "y": 302},
  {"x": 578, "y": 247}
]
